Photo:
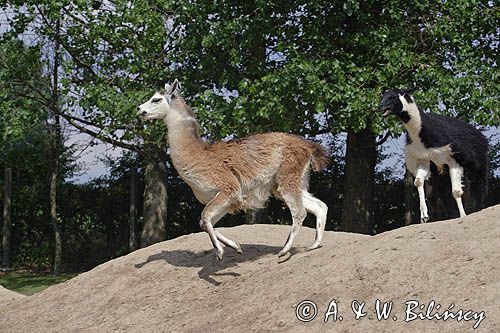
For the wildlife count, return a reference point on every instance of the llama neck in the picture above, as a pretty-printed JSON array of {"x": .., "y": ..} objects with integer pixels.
[
  {"x": 413, "y": 119},
  {"x": 183, "y": 137}
]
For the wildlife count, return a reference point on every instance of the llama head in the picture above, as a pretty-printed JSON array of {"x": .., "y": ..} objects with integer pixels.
[
  {"x": 162, "y": 104},
  {"x": 395, "y": 101}
]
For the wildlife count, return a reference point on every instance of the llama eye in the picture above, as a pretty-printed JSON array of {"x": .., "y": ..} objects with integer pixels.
[{"x": 156, "y": 100}]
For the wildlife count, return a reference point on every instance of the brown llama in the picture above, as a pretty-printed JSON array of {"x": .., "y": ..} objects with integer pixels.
[{"x": 239, "y": 174}]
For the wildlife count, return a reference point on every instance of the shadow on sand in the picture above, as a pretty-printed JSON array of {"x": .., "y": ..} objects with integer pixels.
[{"x": 210, "y": 266}]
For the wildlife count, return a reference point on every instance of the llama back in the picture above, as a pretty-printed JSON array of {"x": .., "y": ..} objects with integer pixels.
[
  {"x": 317, "y": 154},
  {"x": 260, "y": 147},
  {"x": 258, "y": 158}
]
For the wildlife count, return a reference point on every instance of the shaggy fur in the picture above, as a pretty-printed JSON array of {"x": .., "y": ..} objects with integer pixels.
[
  {"x": 240, "y": 174},
  {"x": 441, "y": 145}
]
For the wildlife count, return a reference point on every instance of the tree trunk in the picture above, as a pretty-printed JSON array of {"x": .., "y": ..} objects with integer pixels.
[
  {"x": 360, "y": 161},
  {"x": 53, "y": 220},
  {"x": 57, "y": 143},
  {"x": 255, "y": 216},
  {"x": 7, "y": 204},
  {"x": 409, "y": 198},
  {"x": 132, "y": 244},
  {"x": 155, "y": 199}
]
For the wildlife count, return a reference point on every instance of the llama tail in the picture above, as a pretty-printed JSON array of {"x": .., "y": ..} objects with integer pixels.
[{"x": 319, "y": 158}]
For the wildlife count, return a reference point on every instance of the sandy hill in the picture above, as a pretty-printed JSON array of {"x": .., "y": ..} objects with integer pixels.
[
  {"x": 176, "y": 286},
  {"x": 7, "y": 295}
]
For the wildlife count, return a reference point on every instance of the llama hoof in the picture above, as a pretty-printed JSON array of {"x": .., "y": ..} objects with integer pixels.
[
  {"x": 314, "y": 247},
  {"x": 424, "y": 219},
  {"x": 219, "y": 253},
  {"x": 238, "y": 249},
  {"x": 283, "y": 253}
]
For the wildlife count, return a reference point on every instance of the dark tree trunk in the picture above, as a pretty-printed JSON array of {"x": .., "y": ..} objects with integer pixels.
[
  {"x": 53, "y": 220},
  {"x": 360, "y": 160},
  {"x": 409, "y": 198},
  {"x": 132, "y": 244},
  {"x": 155, "y": 199},
  {"x": 256, "y": 216},
  {"x": 56, "y": 143},
  {"x": 56, "y": 140},
  {"x": 7, "y": 204}
]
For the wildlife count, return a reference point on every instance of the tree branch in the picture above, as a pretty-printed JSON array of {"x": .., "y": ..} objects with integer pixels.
[
  {"x": 98, "y": 135},
  {"x": 384, "y": 139}
]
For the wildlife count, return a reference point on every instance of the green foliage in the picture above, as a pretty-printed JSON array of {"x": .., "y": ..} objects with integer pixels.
[
  {"x": 272, "y": 65},
  {"x": 112, "y": 57},
  {"x": 19, "y": 110},
  {"x": 289, "y": 61},
  {"x": 32, "y": 234}
]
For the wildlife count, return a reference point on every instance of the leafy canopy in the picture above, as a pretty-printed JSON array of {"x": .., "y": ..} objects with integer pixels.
[{"x": 298, "y": 66}]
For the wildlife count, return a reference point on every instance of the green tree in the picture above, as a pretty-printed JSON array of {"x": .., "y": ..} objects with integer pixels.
[
  {"x": 110, "y": 55},
  {"x": 319, "y": 66},
  {"x": 18, "y": 116},
  {"x": 28, "y": 105}
]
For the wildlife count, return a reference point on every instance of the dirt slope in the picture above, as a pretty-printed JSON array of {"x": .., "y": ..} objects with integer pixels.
[
  {"x": 7, "y": 295},
  {"x": 176, "y": 286}
]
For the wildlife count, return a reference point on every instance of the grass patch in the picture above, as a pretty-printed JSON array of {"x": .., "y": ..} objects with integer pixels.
[{"x": 30, "y": 283}]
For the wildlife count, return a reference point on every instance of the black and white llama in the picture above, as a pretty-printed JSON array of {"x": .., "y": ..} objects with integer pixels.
[{"x": 439, "y": 144}]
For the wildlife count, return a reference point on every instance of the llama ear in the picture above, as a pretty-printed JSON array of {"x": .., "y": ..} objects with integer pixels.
[
  {"x": 410, "y": 90},
  {"x": 174, "y": 87},
  {"x": 167, "y": 88}
]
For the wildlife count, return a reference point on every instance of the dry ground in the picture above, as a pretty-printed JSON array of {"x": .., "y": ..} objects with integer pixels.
[
  {"x": 7, "y": 295},
  {"x": 176, "y": 286}
]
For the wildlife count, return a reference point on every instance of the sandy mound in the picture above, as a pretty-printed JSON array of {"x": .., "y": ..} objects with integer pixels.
[
  {"x": 8, "y": 295},
  {"x": 176, "y": 286}
]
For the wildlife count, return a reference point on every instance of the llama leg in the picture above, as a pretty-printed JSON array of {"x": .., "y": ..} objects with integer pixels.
[
  {"x": 228, "y": 242},
  {"x": 420, "y": 177},
  {"x": 294, "y": 203},
  {"x": 319, "y": 209},
  {"x": 223, "y": 239},
  {"x": 213, "y": 212},
  {"x": 456, "y": 174}
]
